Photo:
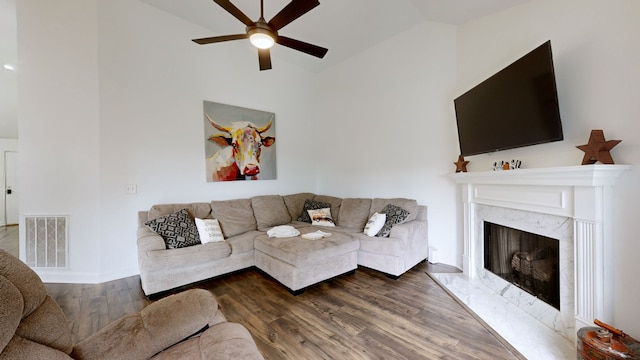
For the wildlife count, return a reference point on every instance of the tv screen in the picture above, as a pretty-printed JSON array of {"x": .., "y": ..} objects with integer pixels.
[{"x": 518, "y": 106}]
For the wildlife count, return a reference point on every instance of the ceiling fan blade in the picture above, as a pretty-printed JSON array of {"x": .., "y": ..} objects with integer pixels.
[
  {"x": 216, "y": 39},
  {"x": 310, "y": 49},
  {"x": 233, "y": 10},
  {"x": 264, "y": 57},
  {"x": 292, "y": 11}
]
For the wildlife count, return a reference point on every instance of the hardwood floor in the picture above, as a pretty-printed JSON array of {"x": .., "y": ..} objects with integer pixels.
[
  {"x": 9, "y": 239},
  {"x": 360, "y": 316}
]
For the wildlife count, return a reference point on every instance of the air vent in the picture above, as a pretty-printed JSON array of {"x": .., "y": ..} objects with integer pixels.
[{"x": 47, "y": 241}]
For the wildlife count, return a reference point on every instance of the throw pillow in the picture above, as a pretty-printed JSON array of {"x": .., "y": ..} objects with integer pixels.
[
  {"x": 321, "y": 217},
  {"x": 311, "y": 204},
  {"x": 375, "y": 224},
  {"x": 395, "y": 215},
  {"x": 209, "y": 230},
  {"x": 177, "y": 229}
]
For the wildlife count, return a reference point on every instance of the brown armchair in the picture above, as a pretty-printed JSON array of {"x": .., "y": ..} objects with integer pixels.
[{"x": 188, "y": 325}]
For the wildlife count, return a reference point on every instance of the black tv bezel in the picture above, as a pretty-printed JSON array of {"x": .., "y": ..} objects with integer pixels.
[{"x": 556, "y": 120}]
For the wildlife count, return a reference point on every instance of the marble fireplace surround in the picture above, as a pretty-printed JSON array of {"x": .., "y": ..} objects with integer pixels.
[{"x": 571, "y": 204}]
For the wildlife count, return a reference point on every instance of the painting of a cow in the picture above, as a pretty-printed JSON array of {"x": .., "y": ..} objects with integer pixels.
[{"x": 237, "y": 151}]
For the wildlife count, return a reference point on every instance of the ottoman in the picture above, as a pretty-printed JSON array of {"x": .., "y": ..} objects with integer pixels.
[{"x": 297, "y": 263}]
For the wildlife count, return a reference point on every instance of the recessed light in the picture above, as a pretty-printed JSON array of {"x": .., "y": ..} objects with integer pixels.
[{"x": 9, "y": 67}]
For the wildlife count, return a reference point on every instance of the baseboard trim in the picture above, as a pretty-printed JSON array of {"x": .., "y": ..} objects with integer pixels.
[{"x": 70, "y": 277}]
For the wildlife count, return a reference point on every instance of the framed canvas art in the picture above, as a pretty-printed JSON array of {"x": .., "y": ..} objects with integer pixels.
[{"x": 239, "y": 143}]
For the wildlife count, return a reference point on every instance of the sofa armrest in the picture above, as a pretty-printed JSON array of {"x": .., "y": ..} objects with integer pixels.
[
  {"x": 157, "y": 327},
  {"x": 149, "y": 242},
  {"x": 405, "y": 230},
  {"x": 414, "y": 237}
]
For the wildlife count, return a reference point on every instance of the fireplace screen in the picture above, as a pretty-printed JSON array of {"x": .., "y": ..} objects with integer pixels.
[{"x": 527, "y": 260}]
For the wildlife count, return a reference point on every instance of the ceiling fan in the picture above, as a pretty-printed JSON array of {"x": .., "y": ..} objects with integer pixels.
[{"x": 264, "y": 35}]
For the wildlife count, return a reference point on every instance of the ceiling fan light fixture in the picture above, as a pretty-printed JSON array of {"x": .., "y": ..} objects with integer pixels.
[{"x": 262, "y": 39}]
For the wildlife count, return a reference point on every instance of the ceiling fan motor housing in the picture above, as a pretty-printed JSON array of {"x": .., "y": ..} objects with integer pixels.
[
  {"x": 261, "y": 28},
  {"x": 264, "y": 35}
]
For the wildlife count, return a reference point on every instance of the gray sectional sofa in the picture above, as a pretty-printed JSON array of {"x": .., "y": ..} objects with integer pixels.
[{"x": 295, "y": 262}]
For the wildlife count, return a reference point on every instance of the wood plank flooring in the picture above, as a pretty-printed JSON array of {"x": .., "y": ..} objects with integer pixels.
[{"x": 360, "y": 316}]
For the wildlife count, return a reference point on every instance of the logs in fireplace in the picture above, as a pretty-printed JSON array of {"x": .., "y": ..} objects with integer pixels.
[{"x": 527, "y": 260}]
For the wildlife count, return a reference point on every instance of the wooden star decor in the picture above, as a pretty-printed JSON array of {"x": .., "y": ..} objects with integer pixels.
[
  {"x": 461, "y": 164},
  {"x": 598, "y": 149}
]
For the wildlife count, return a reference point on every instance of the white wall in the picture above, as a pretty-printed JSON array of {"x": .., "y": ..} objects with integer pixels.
[
  {"x": 153, "y": 80},
  {"x": 596, "y": 60},
  {"x": 112, "y": 94},
  {"x": 58, "y": 122},
  {"x": 386, "y": 128}
]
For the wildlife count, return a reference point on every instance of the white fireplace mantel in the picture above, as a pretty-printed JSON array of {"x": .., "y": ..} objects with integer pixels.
[
  {"x": 581, "y": 193},
  {"x": 585, "y": 175}
]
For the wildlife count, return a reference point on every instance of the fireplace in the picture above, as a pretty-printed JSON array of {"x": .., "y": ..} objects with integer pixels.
[
  {"x": 571, "y": 204},
  {"x": 527, "y": 260}
]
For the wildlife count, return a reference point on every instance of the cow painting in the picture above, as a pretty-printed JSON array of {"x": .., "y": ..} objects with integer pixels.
[{"x": 240, "y": 146}]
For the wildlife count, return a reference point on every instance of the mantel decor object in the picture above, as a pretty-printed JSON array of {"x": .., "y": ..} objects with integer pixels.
[
  {"x": 598, "y": 149},
  {"x": 461, "y": 164}
]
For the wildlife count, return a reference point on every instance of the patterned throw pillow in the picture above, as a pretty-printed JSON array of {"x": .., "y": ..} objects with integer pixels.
[
  {"x": 178, "y": 229},
  {"x": 311, "y": 204},
  {"x": 321, "y": 217},
  {"x": 395, "y": 215}
]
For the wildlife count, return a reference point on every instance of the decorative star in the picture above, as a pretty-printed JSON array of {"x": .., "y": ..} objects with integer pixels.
[
  {"x": 598, "y": 148},
  {"x": 461, "y": 164}
]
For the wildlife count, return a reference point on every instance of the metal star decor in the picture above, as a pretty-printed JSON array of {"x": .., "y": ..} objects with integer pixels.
[
  {"x": 461, "y": 164},
  {"x": 598, "y": 149}
]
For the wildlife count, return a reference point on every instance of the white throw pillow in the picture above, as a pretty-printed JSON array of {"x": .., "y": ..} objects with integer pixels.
[
  {"x": 209, "y": 230},
  {"x": 321, "y": 217},
  {"x": 374, "y": 224}
]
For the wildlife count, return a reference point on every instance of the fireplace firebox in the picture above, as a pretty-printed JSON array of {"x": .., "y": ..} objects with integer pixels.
[{"x": 527, "y": 260}]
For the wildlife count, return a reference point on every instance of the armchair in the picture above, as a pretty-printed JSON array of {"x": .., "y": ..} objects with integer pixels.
[{"x": 187, "y": 325}]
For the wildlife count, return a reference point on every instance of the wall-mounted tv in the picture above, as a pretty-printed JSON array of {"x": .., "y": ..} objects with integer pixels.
[{"x": 518, "y": 106}]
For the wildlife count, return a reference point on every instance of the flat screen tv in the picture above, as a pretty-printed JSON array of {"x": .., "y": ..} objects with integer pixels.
[{"x": 518, "y": 106}]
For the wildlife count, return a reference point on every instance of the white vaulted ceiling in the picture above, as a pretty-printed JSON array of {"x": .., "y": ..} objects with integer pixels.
[{"x": 345, "y": 27}]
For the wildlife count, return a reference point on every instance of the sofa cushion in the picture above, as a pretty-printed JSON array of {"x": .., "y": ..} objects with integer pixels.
[
  {"x": 270, "y": 211},
  {"x": 394, "y": 215},
  {"x": 189, "y": 256},
  {"x": 243, "y": 242},
  {"x": 209, "y": 230},
  {"x": 354, "y": 213},
  {"x": 298, "y": 251},
  {"x": 196, "y": 210},
  {"x": 334, "y": 201},
  {"x": 295, "y": 202},
  {"x": 321, "y": 217},
  {"x": 377, "y": 245},
  {"x": 235, "y": 216},
  {"x": 410, "y": 205},
  {"x": 311, "y": 204},
  {"x": 177, "y": 229}
]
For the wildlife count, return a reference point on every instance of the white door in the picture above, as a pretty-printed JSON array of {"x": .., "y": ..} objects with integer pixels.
[{"x": 11, "y": 209}]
